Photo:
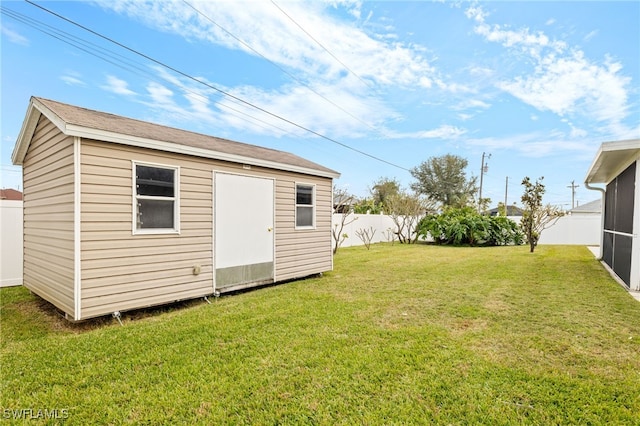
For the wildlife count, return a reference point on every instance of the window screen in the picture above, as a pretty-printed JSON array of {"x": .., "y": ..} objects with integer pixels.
[
  {"x": 305, "y": 209},
  {"x": 618, "y": 223},
  {"x": 624, "y": 200},
  {"x": 155, "y": 197}
]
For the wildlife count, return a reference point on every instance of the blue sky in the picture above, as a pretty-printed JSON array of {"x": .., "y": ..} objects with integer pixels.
[{"x": 538, "y": 85}]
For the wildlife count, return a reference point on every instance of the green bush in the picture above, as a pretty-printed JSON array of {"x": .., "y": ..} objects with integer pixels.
[{"x": 465, "y": 226}]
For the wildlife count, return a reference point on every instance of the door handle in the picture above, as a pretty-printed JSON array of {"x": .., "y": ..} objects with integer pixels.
[{"x": 269, "y": 229}]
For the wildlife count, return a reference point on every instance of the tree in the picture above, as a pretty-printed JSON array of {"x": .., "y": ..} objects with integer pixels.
[
  {"x": 342, "y": 205},
  {"x": 380, "y": 191},
  {"x": 536, "y": 217},
  {"x": 384, "y": 188},
  {"x": 443, "y": 179},
  {"x": 406, "y": 210}
]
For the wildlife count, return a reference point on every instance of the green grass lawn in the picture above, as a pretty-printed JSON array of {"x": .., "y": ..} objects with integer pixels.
[{"x": 395, "y": 335}]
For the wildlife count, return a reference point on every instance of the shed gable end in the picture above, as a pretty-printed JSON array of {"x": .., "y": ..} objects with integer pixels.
[{"x": 48, "y": 170}]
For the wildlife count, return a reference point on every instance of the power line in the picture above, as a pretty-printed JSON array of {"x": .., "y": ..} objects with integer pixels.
[
  {"x": 119, "y": 61},
  {"x": 320, "y": 44},
  {"x": 190, "y": 77},
  {"x": 239, "y": 40},
  {"x": 80, "y": 44}
]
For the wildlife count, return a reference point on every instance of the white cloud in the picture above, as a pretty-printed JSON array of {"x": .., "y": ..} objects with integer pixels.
[
  {"x": 160, "y": 95},
  {"x": 572, "y": 84},
  {"x": 591, "y": 35},
  {"x": 13, "y": 36},
  {"x": 299, "y": 105},
  {"x": 476, "y": 13},
  {"x": 538, "y": 144},
  {"x": 531, "y": 43},
  {"x": 471, "y": 104},
  {"x": 259, "y": 28},
  {"x": 264, "y": 28},
  {"x": 563, "y": 80},
  {"x": 73, "y": 78},
  {"x": 117, "y": 86},
  {"x": 578, "y": 133},
  {"x": 205, "y": 107},
  {"x": 443, "y": 132},
  {"x": 171, "y": 107},
  {"x": 481, "y": 71},
  {"x": 454, "y": 88}
]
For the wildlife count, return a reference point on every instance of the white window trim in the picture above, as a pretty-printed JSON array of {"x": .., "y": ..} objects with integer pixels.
[
  {"x": 296, "y": 205},
  {"x": 135, "y": 197}
]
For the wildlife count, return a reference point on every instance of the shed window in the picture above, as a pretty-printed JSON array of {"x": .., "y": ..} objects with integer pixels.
[
  {"x": 156, "y": 195},
  {"x": 305, "y": 206}
]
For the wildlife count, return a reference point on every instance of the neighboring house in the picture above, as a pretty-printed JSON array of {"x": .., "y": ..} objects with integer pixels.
[
  {"x": 591, "y": 208},
  {"x": 342, "y": 203},
  {"x": 511, "y": 211},
  {"x": 10, "y": 194},
  {"x": 616, "y": 166},
  {"x": 121, "y": 214}
]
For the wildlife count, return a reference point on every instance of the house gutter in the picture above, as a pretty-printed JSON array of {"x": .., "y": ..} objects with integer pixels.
[{"x": 603, "y": 197}]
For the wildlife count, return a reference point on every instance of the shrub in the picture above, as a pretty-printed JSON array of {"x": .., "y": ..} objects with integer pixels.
[{"x": 458, "y": 226}]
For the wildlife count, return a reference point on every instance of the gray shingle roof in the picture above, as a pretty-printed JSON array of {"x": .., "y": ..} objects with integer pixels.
[
  {"x": 594, "y": 206},
  {"x": 86, "y": 118}
]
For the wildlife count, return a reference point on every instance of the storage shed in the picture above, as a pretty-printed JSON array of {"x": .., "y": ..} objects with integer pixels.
[
  {"x": 617, "y": 166},
  {"x": 122, "y": 214}
]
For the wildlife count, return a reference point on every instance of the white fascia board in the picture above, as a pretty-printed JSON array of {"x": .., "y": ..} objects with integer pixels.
[
  {"x": 24, "y": 137},
  {"x": 35, "y": 109},
  {"x": 631, "y": 145},
  {"x": 57, "y": 121},
  {"x": 621, "y": 145},
  {"x": 594, "y": 166},
  {"x": 103, "y": 135}
]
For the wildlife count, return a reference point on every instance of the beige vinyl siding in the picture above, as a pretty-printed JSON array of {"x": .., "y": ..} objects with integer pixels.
[
  {"x": 302, "y": 252},
  {"x": 123, "y": 271},
  {"x": 48, "y": 171}
]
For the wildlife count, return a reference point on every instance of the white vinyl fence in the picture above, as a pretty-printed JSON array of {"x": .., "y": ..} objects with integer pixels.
[
  {"x": 382, "y": 225},
  {"x": 582, "y": 229},
  {"x": 576, "y": 229},
  {"x": 10, "y": 243}
]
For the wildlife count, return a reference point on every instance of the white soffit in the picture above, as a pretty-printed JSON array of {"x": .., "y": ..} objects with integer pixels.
[{"x": 611, "y": 159}]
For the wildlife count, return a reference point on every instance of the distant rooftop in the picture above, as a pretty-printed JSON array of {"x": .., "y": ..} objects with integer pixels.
[
  {"x": 594, "y": 206},
  {"x": 10, "y": 194},
  {"x": 511, "y": 211}
]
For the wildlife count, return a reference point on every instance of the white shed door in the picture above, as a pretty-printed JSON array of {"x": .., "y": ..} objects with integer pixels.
[{"x": 243, "y": 230}]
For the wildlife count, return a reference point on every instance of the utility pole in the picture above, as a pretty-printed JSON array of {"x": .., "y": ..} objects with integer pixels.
[
  {"x": 506, "y": 188},
  {"x": 573, "y": 187},
  {"x": 483, "y": 170}
]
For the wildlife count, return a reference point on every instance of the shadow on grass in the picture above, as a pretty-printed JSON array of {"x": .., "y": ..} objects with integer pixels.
[{"x": 26, "y": 315}]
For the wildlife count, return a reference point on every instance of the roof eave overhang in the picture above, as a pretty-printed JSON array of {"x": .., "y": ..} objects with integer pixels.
[
  {"x": 34, "y": 111},
  {"x": 102, "y": 135},
  {"x": 36, "y": 108},
  {"x": 611, "y": 159},
  {"x": 25, "y": 135}
]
